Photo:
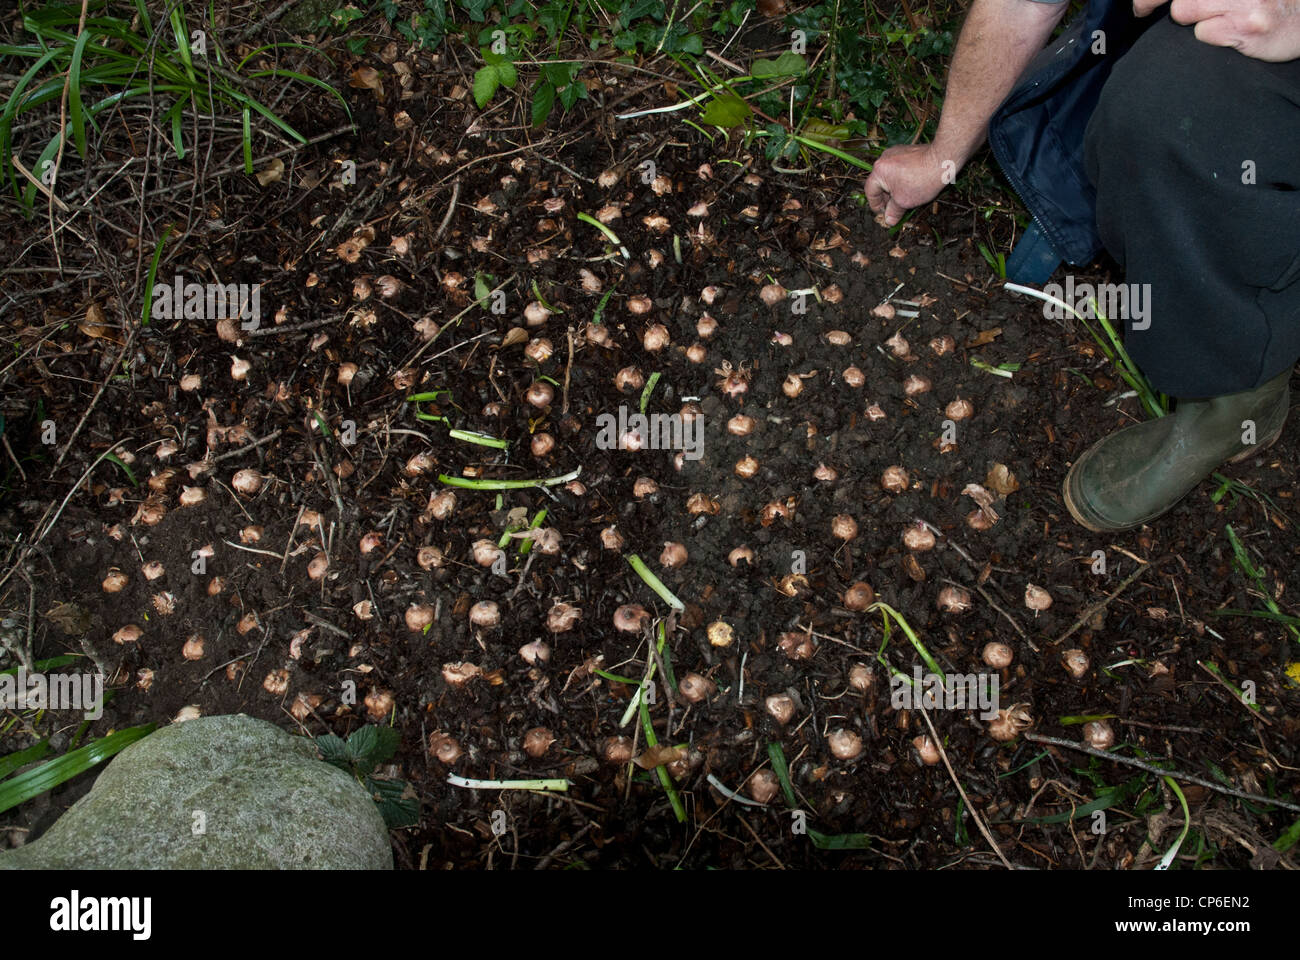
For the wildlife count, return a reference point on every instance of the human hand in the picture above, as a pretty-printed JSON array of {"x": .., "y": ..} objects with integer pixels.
[
  {"x": 904, "y": 177},
  {"x": 1262, "y": 29}
]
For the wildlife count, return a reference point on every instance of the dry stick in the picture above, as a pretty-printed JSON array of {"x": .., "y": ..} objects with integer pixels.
[
  {"x": 567, "y": 367},
  {"x": 1159, "y": 771},
  {"x": 1010, "y": 619},
  {"x": 297, "y": 327},
  {"x": 1102, "y": 604},
  {"x": 451, "y": 209},
  {"x": 979, "y": 821},
  {"x": 112, "y": 371},
  {"x": 1254, "y": 712},
  {"x": 209, "y": 464}
]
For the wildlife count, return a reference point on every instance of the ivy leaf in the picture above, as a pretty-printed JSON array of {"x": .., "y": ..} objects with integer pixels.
[
  {"x": 726, "y": 111},
  {"x": 787, "y": 64}
]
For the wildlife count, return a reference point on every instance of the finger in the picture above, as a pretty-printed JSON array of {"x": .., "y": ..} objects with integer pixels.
[
  {"x": 1195, "y": 11},
  {"x": 893, "y": 212},
  {"x": 1143, "y": 8},
  {"x": 877, "y": 193},
  {"x": 1219, "y": 32}
]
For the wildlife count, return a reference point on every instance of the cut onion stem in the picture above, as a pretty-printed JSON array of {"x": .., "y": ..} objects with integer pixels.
[
  {"x": 654, "y": 583},
  {"x": 546, "y": 786},
  {"x": 478, "y": 483},
  {"x": 482, "y": 439}
]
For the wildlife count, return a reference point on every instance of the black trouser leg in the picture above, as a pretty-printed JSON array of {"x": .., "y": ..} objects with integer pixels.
[{"x": 1195, "y": 154}]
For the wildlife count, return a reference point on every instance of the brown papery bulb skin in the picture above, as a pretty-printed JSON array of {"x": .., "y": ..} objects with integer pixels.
[
  {"x": 853, "y": 377},
  {"x": 629, "y": 379},
  {"x": 780, "y": 707},
  {"x": 537, "y": 741},
  {"x": 793, "y": 386},
  {"x": 562, "y": 617},
  {"x": 859, "y": 596},
  {"x": 998, "y": 655},
  {"x": 764, "y": 786},
  {"x": 540, "y": 394},
  {"x": 741, "y": 555},
  {"x": 861, "y": 677},
  {"x": 1076, "y": 663},
  {"x": 926, "y": 750},
  {"x": 696, "y": 353},
  {"x": 696, "y": 688},
  {"x": 954, "y": 600},
  {"x": 746, "y": 467},
  {"x": 918, "y": 537},
  {"x": 630, "y": 618},
  {"x": 706, "y": 327},
  {"x": 740, "y": 425},
  {"x": 673, "y": 555},
  {"x": 1099, "y": 735},
  {"x": 611, "y": 539},
  {"x": 845, "y": 744},
  {"x": 825, "y": 474},
  {"x": 656, "y": 338},
  {"x": 895, "y": 480},
  {"x": 844, "y": 527},
  {"x": 485, "y": 613},
  {"x": 542, "y": 444}
]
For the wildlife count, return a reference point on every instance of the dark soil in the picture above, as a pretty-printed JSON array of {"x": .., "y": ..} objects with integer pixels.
[{"x": 510, "y": 209}]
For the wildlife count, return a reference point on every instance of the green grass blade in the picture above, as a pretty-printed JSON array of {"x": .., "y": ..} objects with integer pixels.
[
  {"x": 153, "y": 273},
  {"x": 62, "y": 769},
  {"x": 75, "y": 107},
  {"x": 11, "y": 762}
]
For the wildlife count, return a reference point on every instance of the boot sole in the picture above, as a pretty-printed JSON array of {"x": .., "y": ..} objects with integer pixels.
[{"x": 1074, "y": 510}]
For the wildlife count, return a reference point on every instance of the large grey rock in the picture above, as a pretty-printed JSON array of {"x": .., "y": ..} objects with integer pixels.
[{"x": 266, "y": 803}]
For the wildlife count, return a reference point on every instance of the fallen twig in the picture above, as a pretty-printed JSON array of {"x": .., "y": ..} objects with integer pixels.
[
  {"x": 1160, "y": 771},
  {"x": 1101, "y": 604}
]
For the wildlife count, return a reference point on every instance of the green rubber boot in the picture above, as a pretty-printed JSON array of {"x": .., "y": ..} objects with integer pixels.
[{"x": 1138, "y": 473}]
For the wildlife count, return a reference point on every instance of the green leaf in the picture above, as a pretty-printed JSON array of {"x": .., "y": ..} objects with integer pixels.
[
  {"x": 839, "y": 841},
  {"x": 398, "y": 804},
  {"x": 62, "y": 769},
  {"x": 334, "y": 750},
  {"x": 787, "y": 64},
  {"x": 362, "y": 742},
  {"x": 486, "y": 82},
  {"x": 506, "y": 73},
  {"x": 386, "y": 744},
  {"x": 543, "y": 101},
  {"x": 726, "y": 111},
  {"x": 570, "y": 95},
  {"x": 11, "y": 762}
]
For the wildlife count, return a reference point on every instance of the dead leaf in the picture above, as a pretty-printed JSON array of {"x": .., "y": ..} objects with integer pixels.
[
  {"x": 1001, "y": 480},
  {"x": 659, "y": 755},
  {"x": 70, "y": 618},
  {"x": 515, "y": 335},
  {"x": 983, "y": 499},
  {"x": 272, "y": 172},
  {"x": 912, "y": 567},
  {"x": 984, "y": 337},
  {"x": 95, "y": 325},
  {"x": 367, "y": 78}
]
